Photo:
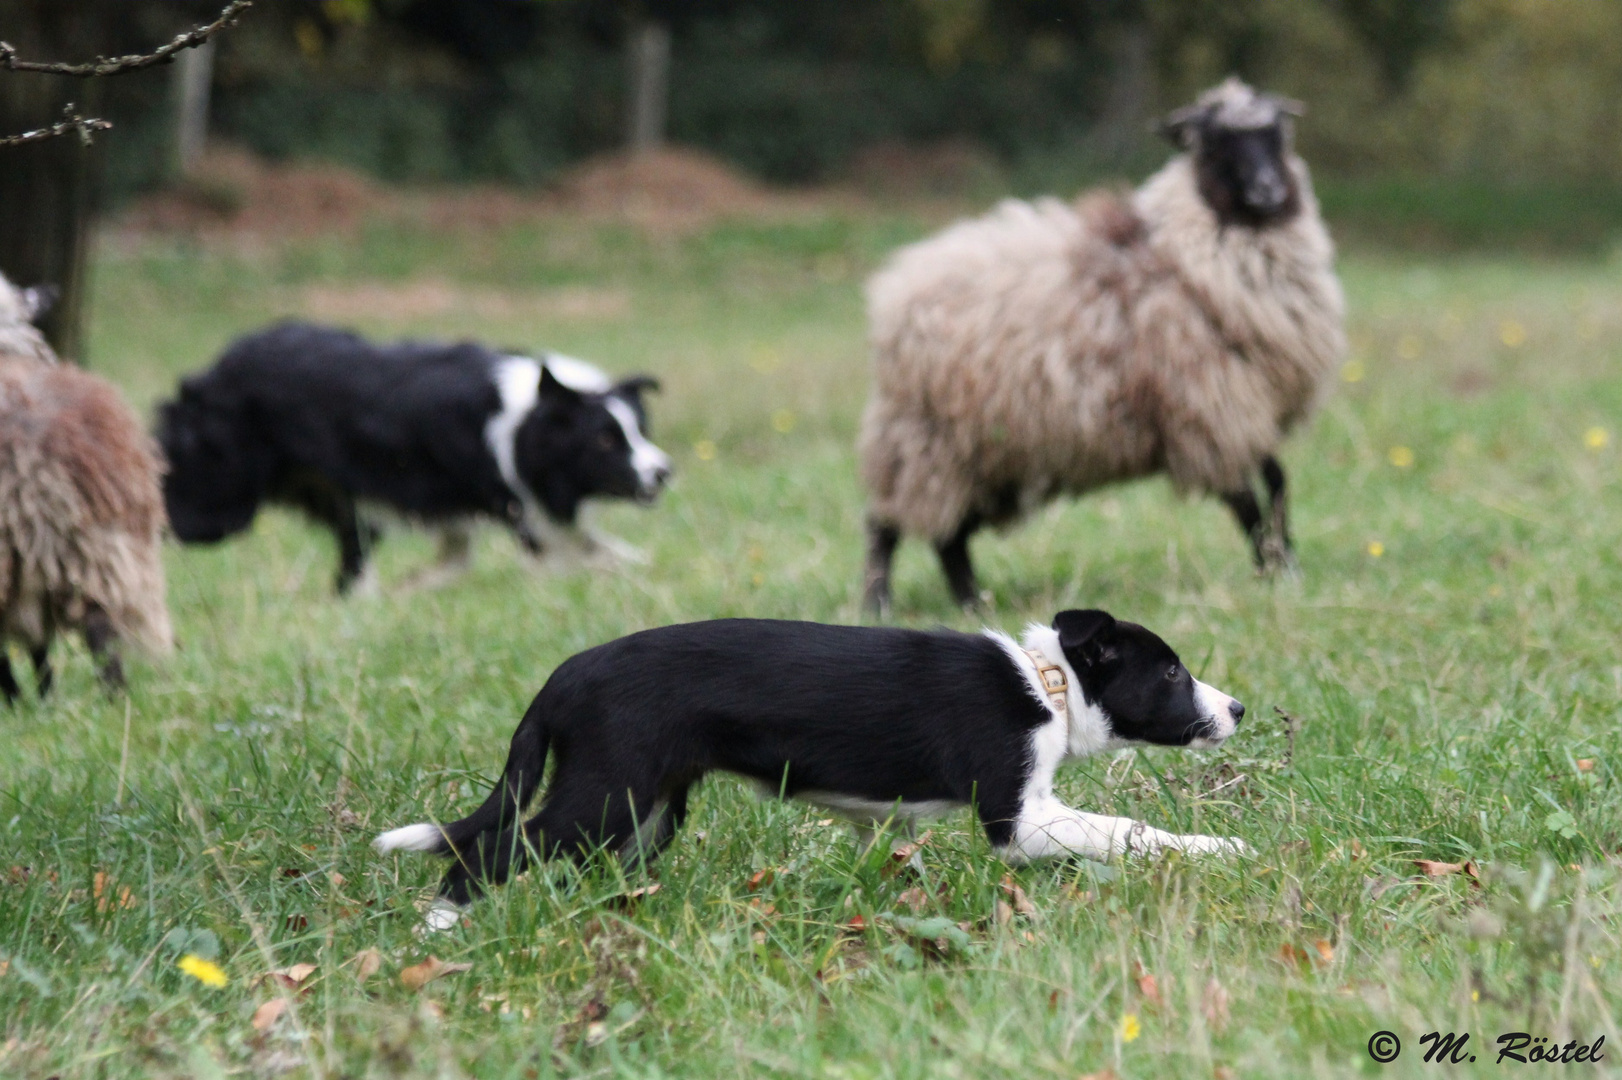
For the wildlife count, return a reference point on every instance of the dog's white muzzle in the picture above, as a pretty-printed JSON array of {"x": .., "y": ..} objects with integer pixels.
[{"x": 1220, "y": 713}]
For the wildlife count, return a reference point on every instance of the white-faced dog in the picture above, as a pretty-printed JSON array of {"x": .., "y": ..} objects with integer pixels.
[
  {"x": 874, "y": 723},
  {"x": 326, "y": 421}
]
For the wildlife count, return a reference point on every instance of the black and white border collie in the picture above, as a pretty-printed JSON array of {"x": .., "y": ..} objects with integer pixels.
[
  {"x": 874, "y": 723},
  {"x": 326, "y": 421}
]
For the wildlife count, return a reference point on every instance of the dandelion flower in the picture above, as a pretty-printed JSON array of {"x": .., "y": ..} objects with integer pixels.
[
  {"x": 783, "y": 421},
  {"x": 1512, "y": 334},
  {"x": 1596, "y": 438},
  {"x": 765, "y": 360},
  {"x": 1375, "y": 549},
  {"x": 1130, "y": 1028},
  {"x": 1353, "y": 371},
  {"x": 206, "y": 972},
  {"x": 704, "y": 449},
  {"x": 1409, "y": 346},
  {"x": 1401, "y": 457}
]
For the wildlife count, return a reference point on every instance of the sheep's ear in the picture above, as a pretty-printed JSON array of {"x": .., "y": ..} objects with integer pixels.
[
  {"x": 39, "y": 300},
  {"x": 1084, "y": 635},
  {"x": 1287, "y": 106},
  {"x": 1181, "y": 125}
]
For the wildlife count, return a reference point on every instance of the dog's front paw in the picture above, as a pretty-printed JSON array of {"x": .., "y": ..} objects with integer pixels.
[{"x": 1213, "y": 845}]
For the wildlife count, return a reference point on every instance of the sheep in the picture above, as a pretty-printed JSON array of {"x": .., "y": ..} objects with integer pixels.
[
  {"x": 81, "y": 510},
  {"x": 1051, "y": 348}
]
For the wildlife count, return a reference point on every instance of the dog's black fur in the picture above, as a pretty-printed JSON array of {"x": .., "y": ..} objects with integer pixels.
[
  {"x": 839, "y": 714},
  {"x": 320, "y": 418}
]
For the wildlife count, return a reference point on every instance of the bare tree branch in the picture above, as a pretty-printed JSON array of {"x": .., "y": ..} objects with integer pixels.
[
  {"x": 101, "y": 66},
  {"x": 118, "y": 65},
  {"x": 72, "y": 122}
]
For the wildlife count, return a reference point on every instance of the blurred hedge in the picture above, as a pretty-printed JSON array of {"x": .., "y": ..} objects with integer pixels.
[{"x": 1494, "y": 95}]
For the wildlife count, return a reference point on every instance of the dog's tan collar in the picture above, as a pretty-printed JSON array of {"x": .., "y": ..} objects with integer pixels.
[{"x": 1055, "y": 684}]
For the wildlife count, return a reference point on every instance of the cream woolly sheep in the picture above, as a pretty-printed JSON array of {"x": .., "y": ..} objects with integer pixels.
[
  {"x": 1051, "y": 348},
  {"x": 81, "y": 513}
]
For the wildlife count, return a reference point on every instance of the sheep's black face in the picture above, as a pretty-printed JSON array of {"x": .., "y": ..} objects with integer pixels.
[{"x": 1244, "y": 176}]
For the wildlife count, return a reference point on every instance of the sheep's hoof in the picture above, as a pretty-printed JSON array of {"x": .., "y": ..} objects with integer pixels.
[{"x": 1279, "y": 563}]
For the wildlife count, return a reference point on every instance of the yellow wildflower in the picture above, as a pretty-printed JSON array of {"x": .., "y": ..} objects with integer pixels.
[
  {"x": 1375, "y": 549},
  {"x": 783, "y": 421},
  {"x": 1353, "y": 371},
  {"x": 1512, "y": 334},
  {"x": 1130, "y": 1028},
  {"x": 704, "y": 449},
  {"x": 1596, "y": 438},
  {"x": 1401, "y": 457},
  {"x": 206, "y": 972},
  {"x": 1409, "y": 346}
]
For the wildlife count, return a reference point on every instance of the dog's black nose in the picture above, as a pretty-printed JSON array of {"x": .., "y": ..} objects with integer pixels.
[
  {"x": 661, "y": 476},
  {"x": 1236, "y": 709}
]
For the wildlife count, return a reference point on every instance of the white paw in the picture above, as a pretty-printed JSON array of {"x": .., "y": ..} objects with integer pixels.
[
  {"x": 441, "y": 915},
  {"x": 1213, "y": 845}
]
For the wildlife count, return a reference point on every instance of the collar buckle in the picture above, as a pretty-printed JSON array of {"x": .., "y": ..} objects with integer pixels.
[{"x": 1055, "y": 684}]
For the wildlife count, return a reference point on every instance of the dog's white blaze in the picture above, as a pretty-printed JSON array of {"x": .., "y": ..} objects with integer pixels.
[
  {"x": 518, "y": 381},
  {"x": 1213, "y": 705},
  {"x": 648, "y": 460},
  {"x": 421, "y": 837}
]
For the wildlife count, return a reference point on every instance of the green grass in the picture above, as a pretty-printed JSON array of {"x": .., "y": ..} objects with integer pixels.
[{"x": 1445, "y": 692}]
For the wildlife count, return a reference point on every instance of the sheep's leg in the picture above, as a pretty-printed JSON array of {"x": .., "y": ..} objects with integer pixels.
[
  {"x": 1280, "y": 552},
  {"x": 354, "y": 538},
  {"x": 8, "y": 681},
  {"x": 43, "y": 675},
  {"x": 881, "y": 545},
  {"x": 954, "y": 555},
  {"x": 1249, "y": 513},
  {"x": 102, "y": 640}
]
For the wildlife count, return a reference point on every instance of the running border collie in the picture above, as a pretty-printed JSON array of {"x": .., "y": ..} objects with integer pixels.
[
  {"x": 873, "y": 723},
  {"x": 325, "y": 421}
]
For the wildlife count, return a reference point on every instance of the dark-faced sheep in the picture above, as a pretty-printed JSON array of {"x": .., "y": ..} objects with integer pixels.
[
  {"x": 1052, "y": 348},
  {"x": 81, "y": 512}
]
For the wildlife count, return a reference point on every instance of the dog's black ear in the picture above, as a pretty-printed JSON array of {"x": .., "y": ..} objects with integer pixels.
[
  {"x": 635, "y": 385},
  {"x": 554, "y": 391},
  {"x": 1085, "y": 634}
]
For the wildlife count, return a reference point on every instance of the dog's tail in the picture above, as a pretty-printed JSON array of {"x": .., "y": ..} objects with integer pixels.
[{"x": 526, "y": 760}]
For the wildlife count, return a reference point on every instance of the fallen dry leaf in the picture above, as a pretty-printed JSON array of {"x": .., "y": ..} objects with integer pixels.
[
  {"x": 1150, "y": 989},
  {"x": 366, "y": 962},
  {"x": 906, "y": 851},
  {"x": 915, "y": 898},
  {"x": 1325, "y": 950},
  {"x": 103, "y": 895},
  {"x": 1101, "y": 1074},
  {"x": 1432, "y": 868},
  {"x": 1004, "y": 913},
  {"x": 1214, "y": 1004},
  {"x": 1016, "y": 896},
  {"x": 857, "y": 924},
  {"x": 1357, "y": 850},
  {"x": 1585, "y": 764},
  {"x": 762, "y": 878},
  {"x": 417, "y": 976},
  {"x": 1292, "y": 955},
  {"x": 268, "y": 1013},
  {"x": 1222, "y": 1072}
]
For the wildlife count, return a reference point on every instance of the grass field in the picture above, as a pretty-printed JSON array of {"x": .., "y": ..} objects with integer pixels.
[{"x": 1449, "y": 661}]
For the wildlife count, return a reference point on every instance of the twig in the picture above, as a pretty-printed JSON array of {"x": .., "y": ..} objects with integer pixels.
[
  {"x": 118, "y": 65},
  {"x": 73, "y": 123}
]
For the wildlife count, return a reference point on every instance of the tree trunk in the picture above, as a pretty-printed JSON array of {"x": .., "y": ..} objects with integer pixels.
[
  {"x": 648, "y": 67},
  {"x": 46, "y": 188},
  {"x": 193, "y": 74}
]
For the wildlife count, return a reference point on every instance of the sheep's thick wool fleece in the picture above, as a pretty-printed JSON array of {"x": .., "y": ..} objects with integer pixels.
[
  {"x": 81, "y": 509},
  {"x": 1050, "y": 347}
]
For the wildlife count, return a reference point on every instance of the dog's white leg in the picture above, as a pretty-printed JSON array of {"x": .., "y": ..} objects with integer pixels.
[
  {"x": 610, "y": 550},
  {"x": 1048, "y": 827},
  {"x": 865, "y": 835}
]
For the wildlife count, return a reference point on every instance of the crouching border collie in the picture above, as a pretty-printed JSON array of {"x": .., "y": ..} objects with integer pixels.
[
  {"x": 323, "y": 420},
  {"x": 873, "y": 723}
]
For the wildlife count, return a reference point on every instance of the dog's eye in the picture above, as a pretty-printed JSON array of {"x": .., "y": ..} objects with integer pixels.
[
  {"x": 1173, "y": 672},
  {"x": 606, "y": 440}
]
